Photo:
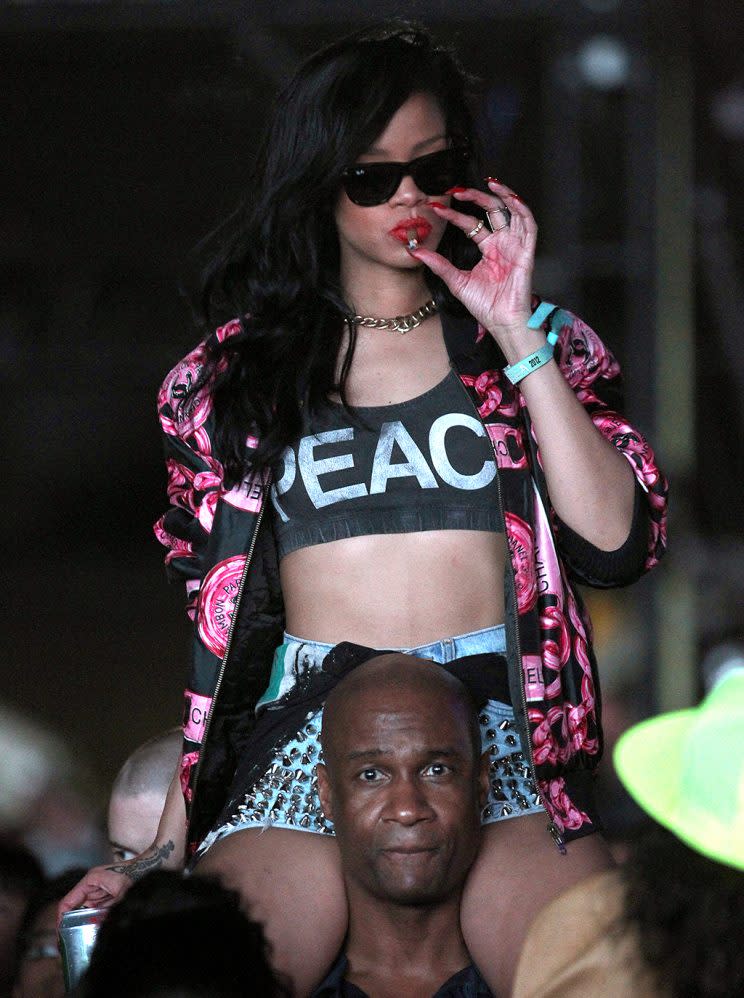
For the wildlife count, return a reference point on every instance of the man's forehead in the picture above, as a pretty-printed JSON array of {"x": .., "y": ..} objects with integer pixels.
[
  {"x": 398, "y": 699},
  {"x": 391, "y": 689},
  {"x": 390, "y": 722},
  {"x": 405, "y": 750}
]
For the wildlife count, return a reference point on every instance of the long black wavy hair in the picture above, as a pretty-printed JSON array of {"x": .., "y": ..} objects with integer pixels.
[{"x": 276, "y": 262}]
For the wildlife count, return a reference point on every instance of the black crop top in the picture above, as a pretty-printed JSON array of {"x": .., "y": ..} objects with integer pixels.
[{"x": 424, "y": 464}]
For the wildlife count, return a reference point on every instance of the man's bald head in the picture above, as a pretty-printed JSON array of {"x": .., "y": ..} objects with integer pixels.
[
  {"x": 395, "y": 671},
  {"x": 149, "y": 769},
  {"x": 139, "y": 791},
  {"x": 403, "y": 780}
]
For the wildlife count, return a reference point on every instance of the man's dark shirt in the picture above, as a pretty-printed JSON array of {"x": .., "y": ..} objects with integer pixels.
[{"x": 466, "y": 983}]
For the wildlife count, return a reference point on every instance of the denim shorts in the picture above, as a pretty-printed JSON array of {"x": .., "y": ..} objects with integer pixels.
[{"x": 286, "y": 796}]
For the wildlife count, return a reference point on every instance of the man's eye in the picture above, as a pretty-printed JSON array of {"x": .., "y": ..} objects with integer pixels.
[
  {"x": 369, "y": 775},
  {"x": 436, "y": 769}
]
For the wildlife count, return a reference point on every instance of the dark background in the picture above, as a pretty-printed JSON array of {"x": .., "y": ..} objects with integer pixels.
[{"x": 128, "y": 130}]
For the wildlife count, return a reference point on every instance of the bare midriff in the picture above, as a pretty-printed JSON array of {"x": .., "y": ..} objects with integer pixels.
[{"x": 395, "y": 590}]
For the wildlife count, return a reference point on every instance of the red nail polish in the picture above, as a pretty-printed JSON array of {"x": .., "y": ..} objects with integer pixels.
[
  {"x": 437, "y": 204},
  {"x": 492, "y": 180},
  {"x": 456, "y": 190}
]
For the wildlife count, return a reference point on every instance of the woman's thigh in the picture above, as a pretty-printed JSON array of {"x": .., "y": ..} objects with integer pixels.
[
  {"x": 517, "y": 872},
  {"x": 291, "y": 882}
]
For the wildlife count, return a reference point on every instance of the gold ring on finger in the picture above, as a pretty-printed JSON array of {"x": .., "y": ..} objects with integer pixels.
[{"x": 474, "y": 232}]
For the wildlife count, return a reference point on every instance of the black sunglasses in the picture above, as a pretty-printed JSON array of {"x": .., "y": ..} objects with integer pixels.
[{"x": 368, "y": 184}]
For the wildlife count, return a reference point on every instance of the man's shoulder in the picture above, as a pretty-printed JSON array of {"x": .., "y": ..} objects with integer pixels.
[{"x": 466, "y": 983}]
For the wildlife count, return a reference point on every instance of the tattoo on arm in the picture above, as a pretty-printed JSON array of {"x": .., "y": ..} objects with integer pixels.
[{"x": 137, "y": 868}]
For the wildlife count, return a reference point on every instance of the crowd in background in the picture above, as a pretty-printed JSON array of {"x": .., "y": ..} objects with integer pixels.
[{"x": 667, "y": 922}]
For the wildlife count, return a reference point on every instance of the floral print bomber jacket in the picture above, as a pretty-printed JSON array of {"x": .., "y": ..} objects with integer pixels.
[{"x": 220, "y": 542}]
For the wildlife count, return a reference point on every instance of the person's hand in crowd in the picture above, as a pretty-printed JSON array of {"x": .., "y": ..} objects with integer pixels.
[{"x": 104, "y": 885}]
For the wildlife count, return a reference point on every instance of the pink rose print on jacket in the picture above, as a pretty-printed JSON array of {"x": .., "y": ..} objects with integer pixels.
[
  {"x": 545, "y": 747},
  {"x": 488, "y": 387},
  {"x": 180, "y": 486},
  {"x": 521, "y": 543},
  {"x": 657, "y": 541},
  {"x": 188, "y": 761},
  {"x": 207, "y": 510},
  {"x": 577, "y": 718},
  {"x": 206, "y": 480},
  {"x": 630, "y": 444},
  {"x": 583, "y": 357},
  {"x": 563, "y": 813},
  {"x": 581, "y": 629},
  {"x": 196, "y": 492},
  {"x": 179, "y": 548},
  {"x": 181, "y": 412},
  {"x": 572, "y": 723},
  {"x": 556, "y": 647},
  {"x": 217, "y": 602}
]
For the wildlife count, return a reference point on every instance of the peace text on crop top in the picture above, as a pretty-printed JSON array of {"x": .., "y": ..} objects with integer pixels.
[{"x": 423, "y": 464}]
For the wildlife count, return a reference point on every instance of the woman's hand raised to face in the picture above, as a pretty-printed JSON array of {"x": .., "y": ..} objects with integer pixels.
[{"x": 497, "y": 291}]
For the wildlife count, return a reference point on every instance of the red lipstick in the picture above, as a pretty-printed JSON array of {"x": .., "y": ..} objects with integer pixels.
[{"x": 411, "y": 231}]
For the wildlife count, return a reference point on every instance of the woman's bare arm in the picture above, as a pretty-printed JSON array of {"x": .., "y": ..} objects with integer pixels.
[{"x": 591, "y": 485}]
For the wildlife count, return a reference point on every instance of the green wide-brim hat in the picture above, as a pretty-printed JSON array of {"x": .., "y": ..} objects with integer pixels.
[{"x": 686, "y": 769}]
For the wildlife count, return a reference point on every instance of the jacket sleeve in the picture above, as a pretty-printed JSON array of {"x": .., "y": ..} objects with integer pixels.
[
  {"x": 195, "y": 476},
  {"x": 594, "y": 375}
]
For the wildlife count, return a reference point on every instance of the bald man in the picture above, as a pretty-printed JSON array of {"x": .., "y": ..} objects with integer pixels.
[
  {"x": 404, "y": 782},
  {"x": 138, "y": 794}
]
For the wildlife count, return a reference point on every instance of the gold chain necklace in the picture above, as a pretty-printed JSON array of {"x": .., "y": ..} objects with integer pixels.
[{"x": 399, "y": 323}]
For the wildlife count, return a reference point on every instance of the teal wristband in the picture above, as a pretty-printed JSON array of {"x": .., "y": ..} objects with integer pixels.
[
  {"x": 544, "y": 311},
  {"x": 515, "y": 372}
]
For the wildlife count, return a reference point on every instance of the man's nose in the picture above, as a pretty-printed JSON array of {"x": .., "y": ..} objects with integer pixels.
[{"x": 407, "y": 802}]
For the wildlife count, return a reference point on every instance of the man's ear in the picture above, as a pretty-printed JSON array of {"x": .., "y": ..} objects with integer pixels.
[
  {"x": 324, "y": 791},
  {"x": 484, "y": 783}
]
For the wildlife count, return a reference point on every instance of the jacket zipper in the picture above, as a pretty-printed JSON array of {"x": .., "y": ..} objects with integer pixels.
[
  {"x": 228, "y": 645},
  {"x": 552, "y": 827}
]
